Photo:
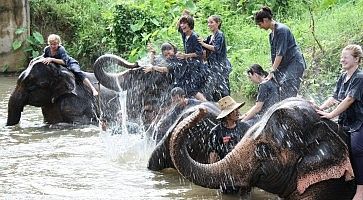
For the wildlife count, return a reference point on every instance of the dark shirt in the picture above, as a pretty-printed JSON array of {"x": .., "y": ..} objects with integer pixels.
[
  {"x": 61, "y": 54},
  {"x": 283, "y": 44},
  {"x": 268, "y": 93},
  {"x": 218, "y": 57},
  {"x": 234, "y": 135},
  {"x": 191, "y": 45},
  {"x": 351, "y": 118}
]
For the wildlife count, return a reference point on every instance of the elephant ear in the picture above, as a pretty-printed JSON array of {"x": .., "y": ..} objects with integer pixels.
[
  {"x": 327, "y": 156},
  {"x": 65, "y": 82}
]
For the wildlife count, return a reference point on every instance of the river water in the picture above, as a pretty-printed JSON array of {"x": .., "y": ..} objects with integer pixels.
[{"x": 42, "y": 162}]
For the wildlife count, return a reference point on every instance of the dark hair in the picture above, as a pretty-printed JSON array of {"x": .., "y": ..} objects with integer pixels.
[
  {"x": 264, "y": 12},
  {"x": 256, "y": 68},
  {"x": 217, "y": 19},
  {"x": 168, "y": 46},
  {"x": 187, "y": 19},
  {"x": 177, "y": 91}
]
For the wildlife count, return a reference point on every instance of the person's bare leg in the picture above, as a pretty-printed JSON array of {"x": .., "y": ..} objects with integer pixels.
[
  {"x": 89, "y": 84},
  {"x": 359, "y": 193},
  {"x": 200, "y": 97}
]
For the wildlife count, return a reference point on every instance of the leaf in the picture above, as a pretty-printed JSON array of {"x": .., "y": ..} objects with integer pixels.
[
  {"x": 191, "y": 6},
  {"x": 5, "y": 68},
  {"x": 35, "y": 54},
  {"x": 38, "y": 37},
  {"x": 133, "y": 52},
  {"x": 16, "y": 44},
  {"x": 20, "y": 31},
  {"x": 156, "y": 22},
  {"x": 137, "y": 26}
]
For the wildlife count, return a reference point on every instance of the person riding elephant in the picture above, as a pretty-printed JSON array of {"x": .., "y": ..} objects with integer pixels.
[
  {"x": 61, "y": 97},
  {"x": 291, "y": 152}
]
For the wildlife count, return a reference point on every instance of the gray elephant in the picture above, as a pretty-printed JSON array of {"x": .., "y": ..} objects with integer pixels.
[
  {"x": 291, "y": 152},
  {"x": 160, "y": 157},
  {"x": 146, "y": 93},
  {"x": 61, "y": 98}
]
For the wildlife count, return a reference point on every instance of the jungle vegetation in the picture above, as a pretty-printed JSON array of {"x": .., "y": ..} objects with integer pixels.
[{"x": 90, "y": 28}]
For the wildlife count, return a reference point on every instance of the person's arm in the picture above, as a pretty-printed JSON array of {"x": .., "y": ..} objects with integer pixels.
[
  {"x": 156, "y": 68},
  {"x": 252, "y": 111},
  {"x": 328, "y": 103},
  {"x": 281, "y": 38},
  {"x": 343, "y": 106}
]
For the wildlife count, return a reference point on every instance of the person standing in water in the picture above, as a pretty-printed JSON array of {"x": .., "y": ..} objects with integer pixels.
[
  {"x": 288, "y": 63},
  {"x": 216, "y": 54}
]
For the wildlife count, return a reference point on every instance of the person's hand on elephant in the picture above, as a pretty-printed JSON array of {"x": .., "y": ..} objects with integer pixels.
[
  {"x": 148, "y": 69},
  {"x": 213, "y": 157},
  {"x": 48, "y": 60},
  {"x": 324, "y": 114}
]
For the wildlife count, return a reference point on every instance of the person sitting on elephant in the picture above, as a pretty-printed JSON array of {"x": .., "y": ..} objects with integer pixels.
[
  {"x": 177, "y": 70},
  {"x": 227, "y": 133},
  {"x": 268, "y": 94},
  {"x": 56, "y": 53},
  {"x": 348, "y": 99}
]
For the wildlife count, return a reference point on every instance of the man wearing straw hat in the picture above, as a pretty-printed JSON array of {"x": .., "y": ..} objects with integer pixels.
[{"x": 227, "y": 133}]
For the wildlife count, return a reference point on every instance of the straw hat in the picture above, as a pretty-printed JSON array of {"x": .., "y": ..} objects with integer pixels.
[{"x": 227, "y": 105}]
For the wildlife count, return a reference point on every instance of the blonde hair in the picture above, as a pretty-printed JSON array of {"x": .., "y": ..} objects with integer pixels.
[
  {"x": 54, "y": 38},
  {"x": 356, "y": 51}
]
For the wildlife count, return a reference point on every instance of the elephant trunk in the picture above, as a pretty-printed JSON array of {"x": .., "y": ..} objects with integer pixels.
[
  {"x": 112, "y": 81},
  {"x": 229, "y": 171},
  {"x": 15, "y": 107}
]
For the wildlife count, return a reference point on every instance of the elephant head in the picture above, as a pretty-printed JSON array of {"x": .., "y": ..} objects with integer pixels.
[
  {"x": 160, "y": 157},
  {"x": 291, "y": 152},
  {"x": 145, "y": 91},
  {"x": 39, "y": 85}
]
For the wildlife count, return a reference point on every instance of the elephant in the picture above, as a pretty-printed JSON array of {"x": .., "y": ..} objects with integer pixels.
[
  {"x": 290, "y": 152},
  {"x": 62, "y": 98},
  {"x": 146, "y": 92},
  {"x": 160, "y": 157}
]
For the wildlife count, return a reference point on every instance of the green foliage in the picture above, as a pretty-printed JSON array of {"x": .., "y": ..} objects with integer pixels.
[
  {"x": 84, "y": 26},
  {"x": 90, "y": 28},
  {"x": 33, "y": 43}
]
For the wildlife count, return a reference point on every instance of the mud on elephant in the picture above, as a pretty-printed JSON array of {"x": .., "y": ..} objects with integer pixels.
[
  {"x": 61, "y": 97},
  {"x": 160, "y": 157},
  {"x": 291, "y": 152}
]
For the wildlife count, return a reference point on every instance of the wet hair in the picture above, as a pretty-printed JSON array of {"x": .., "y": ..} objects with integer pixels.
[
  {"x": 217, "y": 19},
  {"x": 187, "y": 19},
  {"x": 256, "y": 68},
  {"x": 356, "y": 51},
  {"x": 168, "y": 46},
  {"x": 264, "y": 12},
  {"x": 177, "y": 91},
  {"x": 54, "y": 37}
]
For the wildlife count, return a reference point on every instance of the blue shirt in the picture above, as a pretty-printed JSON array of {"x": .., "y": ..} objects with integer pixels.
[
  {"x": 268, "y": 93},
  {"x": 283, "y": 44},
  {"x": 61, "y": 54},
  {"x": 191, "y": 45},
  {"x": 218, "y": 57},
  {"x": 351, "y": 118}
]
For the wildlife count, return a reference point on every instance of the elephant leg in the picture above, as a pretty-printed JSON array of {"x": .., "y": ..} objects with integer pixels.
[
  {"x": 326, "y": 157},
  {"x": 52, "y": 114}
]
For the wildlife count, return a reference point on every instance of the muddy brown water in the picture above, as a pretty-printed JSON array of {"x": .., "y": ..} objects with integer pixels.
[{"x": 81, "y": 162}]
